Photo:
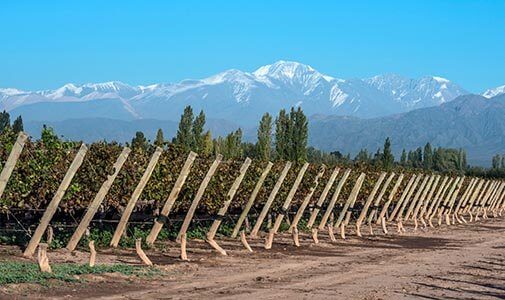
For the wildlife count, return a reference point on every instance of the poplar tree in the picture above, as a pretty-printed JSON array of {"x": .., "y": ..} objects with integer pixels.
[
  {"x": 184, "y": 136},
  {"x": 264, "y": 144},
  {"x": 207, "y": 143},
  {"x": 403, "y": 158},
  {"x": 197, "y": 131},
  {"x": 282, "y": 138},
  {"x": 388, "y": 158},
  {"x": 299, "y": 135},
  {"x": 428, "y": 156},
  {"x": 160, "y": 139}
]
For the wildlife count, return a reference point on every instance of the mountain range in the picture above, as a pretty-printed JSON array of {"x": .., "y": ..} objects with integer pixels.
[{"x": 372, "y": 106}]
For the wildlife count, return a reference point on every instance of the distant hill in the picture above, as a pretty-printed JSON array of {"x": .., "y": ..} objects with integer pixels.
[{"x": 472, "y": 122}]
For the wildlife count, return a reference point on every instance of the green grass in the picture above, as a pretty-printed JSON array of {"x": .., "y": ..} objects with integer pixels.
[{"x": 22, "y": 272}]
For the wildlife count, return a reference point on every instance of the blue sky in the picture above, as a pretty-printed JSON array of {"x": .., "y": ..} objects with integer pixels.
[{"x": 45, "y": 44}]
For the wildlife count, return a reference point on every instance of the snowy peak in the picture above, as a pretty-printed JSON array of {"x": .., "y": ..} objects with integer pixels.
[
  {"x": 416, "y": 93},
  {"x": 494, "y": 92}
]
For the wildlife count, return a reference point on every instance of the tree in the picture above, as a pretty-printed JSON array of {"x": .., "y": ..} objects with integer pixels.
[
  {"x": 184, "y": 136},
  {"x": 363, "y": 156},
  {"x": 17, "y": 126},
  {"x": 160, "y": 140},
  {"x": 496, "y": 161},
  {"x": 139, "y": 142},
  {"x": 49, "y": 137},
  {"x": 264, "y": 144},
  {"x": 197, "y": 130},
  {"x": 299, "y": 135},
  {"x": 207, "y": 144},
  {"x": 428, "y": 156},
  {"x": 5, "y": 121},
  {"x": 388, "y": 158},
  {"x": 403, "y": 158},
  {"x": 282, "y": 136}
]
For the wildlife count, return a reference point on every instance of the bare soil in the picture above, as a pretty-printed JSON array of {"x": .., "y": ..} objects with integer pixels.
[{"x": 456, "y": 262}]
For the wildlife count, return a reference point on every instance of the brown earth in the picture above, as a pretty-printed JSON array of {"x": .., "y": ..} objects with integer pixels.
[{"x": 456, "y": 262}]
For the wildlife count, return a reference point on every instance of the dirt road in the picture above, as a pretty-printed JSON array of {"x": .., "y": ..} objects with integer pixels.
[{"x": 457, "y": 262}]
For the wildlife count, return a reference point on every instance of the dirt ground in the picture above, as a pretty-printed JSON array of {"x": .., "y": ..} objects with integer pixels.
[{"x": 456, "y": 262}]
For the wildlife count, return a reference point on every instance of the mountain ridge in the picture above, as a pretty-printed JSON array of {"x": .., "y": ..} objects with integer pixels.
[{"x": 242, "y": 97}]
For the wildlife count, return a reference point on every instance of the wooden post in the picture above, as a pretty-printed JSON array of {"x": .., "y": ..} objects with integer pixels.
[
  {"x": 407, "y": 199},
  {"x": 322, "y": 198},
  {"x": 43, "y": 260},
  {"x": 97, "y": 201},
  {"x": 10, "y": 164},
  {"x": 333, "y": 200},
  {"x": 307, "y": 198},
  {"x": 369, "y": 200},
  {"x": 270, "y": 200},
  {"x": 481, "y": 188},
  {"x": 423, "y": 198},
  {"x": 285, "y": 206},
  {"x": 198, "y": 196},
  {"x": 244, "y": 241},
  {"x": 250, "y": 202},
  {"x": 436, "y": 198},
  {"x": 174, "y": 193},
  {"x": 402, "y": 198},
  {"x": 351, "y": 200},
  {"x": 416, "y": 197},
  {"x": 382, "y": 215},
  {"x": 92, "y": 253},
  {"x": 375, "y": 208},
  {"x": 466, "y": 197},
  {"x": 440, "y": 196},
  {"x": 427, "y": 200},
  {"x": 184, "y": 254},
  {"x": 55, "y": 202},
  {"x": 229, "y": 197},
  {"x": 121, "y": 226},
  {"x": 141, "y": 253}
]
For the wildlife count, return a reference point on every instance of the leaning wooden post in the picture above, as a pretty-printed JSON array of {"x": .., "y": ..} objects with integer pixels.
[
  {"x": 285, "y": 206},
  {"x": 402, "y": 198},
  {"x": 322, "y": 198},
  {"x": 270, "y": 200},
  {"x": 92, "y": 253},
  {"x": 481, "y": 188},
  {"x": 399, "y": 216},
  {"x": 375, "y": 207},
  {"x": 486, "y": 199},
  {"x": 466, "y": 196},
  {"x": 369, "y": 200},
  {"x": 350, "y": 201},
  {"x": 427, "y": 201},
  {"x": 446, "y": 199},
  {"x": 198, "y": 196},
  {"x": 221, "y": 213},
  {"x": 12, "y": 160},
  {"x": 382, "y": 215},
  {"x": 481, "y": 201},
  {"x": 174, "y": 193},
  {"x": 334, "y": 198},
  {"x": 250, "y": 202},
  {"x": 53, "y": 205},
  {"x": 121, "y": 226},
  {"x": 303, "y": 206},
  {"x": 141, "y": 253},
  {"x": 436, "y": 202},
  {"x": 97, "y": 201},
  {"x": 451, "y": 202},
  {"x": 436, "y": 198},
  {"x": 43, "y": 260},
  {"x": 421, "y": 199}
]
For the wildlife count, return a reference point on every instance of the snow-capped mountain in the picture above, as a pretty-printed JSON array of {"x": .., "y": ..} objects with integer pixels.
[
  {"x": 236, "y": 96},
  {"x": 494, "y": 92}
]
